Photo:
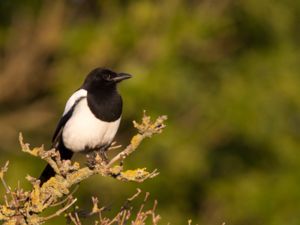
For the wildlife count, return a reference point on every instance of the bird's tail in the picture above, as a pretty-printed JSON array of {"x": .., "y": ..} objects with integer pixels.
[{"x": 48, "y": 172}]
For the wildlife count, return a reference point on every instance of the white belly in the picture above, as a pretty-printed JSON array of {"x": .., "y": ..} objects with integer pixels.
[{"x": 84, "y": 131}]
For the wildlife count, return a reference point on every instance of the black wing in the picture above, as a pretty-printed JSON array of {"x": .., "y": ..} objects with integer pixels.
[{"x": 60, "y": 126}]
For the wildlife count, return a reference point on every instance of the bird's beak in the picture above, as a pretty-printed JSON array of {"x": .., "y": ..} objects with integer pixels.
[{"x": 121, "y": 76}]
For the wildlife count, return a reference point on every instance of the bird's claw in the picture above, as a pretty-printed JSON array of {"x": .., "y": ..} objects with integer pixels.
[{"x": 97, "y": 156}]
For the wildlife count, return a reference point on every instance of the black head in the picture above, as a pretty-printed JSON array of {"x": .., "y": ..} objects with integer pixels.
[{"x": 103, "y": 78}]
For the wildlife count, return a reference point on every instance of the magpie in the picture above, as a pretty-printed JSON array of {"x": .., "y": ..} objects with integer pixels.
[{"x": 91, "y": 117}]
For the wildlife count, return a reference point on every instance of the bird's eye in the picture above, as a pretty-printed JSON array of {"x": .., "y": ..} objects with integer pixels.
[{"x": 107, "y": 77}]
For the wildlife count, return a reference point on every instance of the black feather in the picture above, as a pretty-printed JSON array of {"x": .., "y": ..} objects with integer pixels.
[{"x": 62, "y": 122}]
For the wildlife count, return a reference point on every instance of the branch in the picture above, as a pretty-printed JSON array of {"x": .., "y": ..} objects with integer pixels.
[
  {"x": 146, "y": 129},
  {"x": 25, "y": 207}
]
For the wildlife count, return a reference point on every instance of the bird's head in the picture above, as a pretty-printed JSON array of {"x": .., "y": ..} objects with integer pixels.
[{"x": 102, "y": 78}]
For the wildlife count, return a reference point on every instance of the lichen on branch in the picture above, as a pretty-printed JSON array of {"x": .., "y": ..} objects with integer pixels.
[{"x": 24, "y": 207}]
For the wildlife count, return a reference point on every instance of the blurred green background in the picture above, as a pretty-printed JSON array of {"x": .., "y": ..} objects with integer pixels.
[{"x": 225, "y": 72}]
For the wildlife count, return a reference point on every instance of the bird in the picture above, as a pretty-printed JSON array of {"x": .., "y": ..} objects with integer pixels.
[{"x": 91, "y": 117}]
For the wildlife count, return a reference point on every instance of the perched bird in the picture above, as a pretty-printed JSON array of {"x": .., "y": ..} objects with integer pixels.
[{"x": 91, "y": 117}]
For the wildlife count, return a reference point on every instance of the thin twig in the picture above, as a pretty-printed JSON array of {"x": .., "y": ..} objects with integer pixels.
[
  {"x": 73, "y": 219},
  {"x": 135, "y": 195},
  {"x": 2, "y": 172},
  {"x": 57, "y": 213}
]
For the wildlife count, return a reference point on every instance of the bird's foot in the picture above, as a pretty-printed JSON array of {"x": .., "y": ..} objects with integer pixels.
[
  {"x": 90, "y": 162},
  {"x": 97, "y": 156},
  {"x": 103, "y": 156}
]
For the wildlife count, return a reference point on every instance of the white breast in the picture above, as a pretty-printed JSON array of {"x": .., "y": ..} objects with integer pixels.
[{"x": 83, "y": 130}]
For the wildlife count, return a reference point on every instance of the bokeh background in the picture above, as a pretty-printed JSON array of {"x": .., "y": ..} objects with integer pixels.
[{"x": 225, "y": 72}]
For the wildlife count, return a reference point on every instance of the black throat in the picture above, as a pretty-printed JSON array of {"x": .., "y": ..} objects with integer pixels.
[{"x": 105, "y": 103}]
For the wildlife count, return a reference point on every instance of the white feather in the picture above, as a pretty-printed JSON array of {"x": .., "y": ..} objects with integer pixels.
[
  {"x": 83, "y": 130},
  {"x": 77, "y": 95}
]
